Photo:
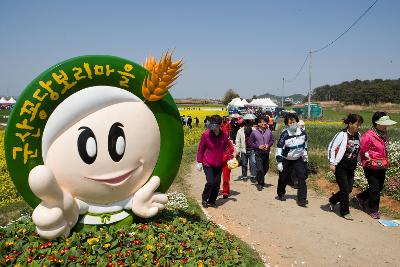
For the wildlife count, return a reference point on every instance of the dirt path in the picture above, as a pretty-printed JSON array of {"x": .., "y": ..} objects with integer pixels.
[{"x": 288, "y": 235}]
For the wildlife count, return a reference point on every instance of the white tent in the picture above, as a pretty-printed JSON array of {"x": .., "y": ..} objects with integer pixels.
[
  {"x": 263, "y": 102},
  {"x": 3, "y": 100},
  {"x": 236, "y": 102},
  {"x": 244, "y": 102},
  {"x": 11, "y": 101}
]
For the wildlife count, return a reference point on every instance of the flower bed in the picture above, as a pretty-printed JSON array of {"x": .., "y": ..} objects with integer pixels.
[{"x": 173, "y": 238}]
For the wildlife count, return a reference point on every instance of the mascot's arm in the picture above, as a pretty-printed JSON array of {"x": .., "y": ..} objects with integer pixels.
[
  {"x": 146, "y": 202},
  {"x": 58, "y": 212}
]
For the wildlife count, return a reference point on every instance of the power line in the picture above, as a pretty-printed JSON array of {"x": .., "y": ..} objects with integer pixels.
[
  {"x": 351, "y": 26},
  {"x": 301, "y": 68},
  {"x": 329, "y": 44}
]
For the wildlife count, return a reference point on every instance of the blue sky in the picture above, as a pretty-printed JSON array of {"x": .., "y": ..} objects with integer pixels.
[{"x": 244, "y": 45}]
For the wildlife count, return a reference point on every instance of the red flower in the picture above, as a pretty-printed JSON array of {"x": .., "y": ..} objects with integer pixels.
[
  {"x": 72, "y": 258},
  {"x": 30, "y": 258},
  {"x": 137, "y": 242}
]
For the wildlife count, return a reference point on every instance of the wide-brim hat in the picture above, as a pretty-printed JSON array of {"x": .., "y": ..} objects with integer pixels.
[{"x": 386, "y": 121}]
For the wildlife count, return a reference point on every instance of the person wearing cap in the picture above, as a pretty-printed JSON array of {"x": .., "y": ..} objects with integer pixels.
[
  {"x": 375, "y": 162},
  {"x": 343, "y": 155},
  {"x": 261, "y": 140},
  {"x": 210, "y": 155}
]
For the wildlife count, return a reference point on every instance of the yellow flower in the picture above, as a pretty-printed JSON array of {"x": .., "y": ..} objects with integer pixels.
[
  {"x": 10, "y": 243},
  {"x": 183, "y": 220},
  {"x": 200, "y": 264},
  {"x": 91, "y": 240},
  {"x": 106, "y": 245},
  {"x": 149, "y": 247}
]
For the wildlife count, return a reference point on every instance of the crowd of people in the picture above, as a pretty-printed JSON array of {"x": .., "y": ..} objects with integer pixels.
[
  {"x": 187, "y": 121},
  {"x": 226, "y": 142}
]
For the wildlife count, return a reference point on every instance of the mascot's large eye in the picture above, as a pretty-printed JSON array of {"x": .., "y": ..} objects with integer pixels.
[
  {"x": 116, "y": 142},
  {"x": 87, "y": 145}
]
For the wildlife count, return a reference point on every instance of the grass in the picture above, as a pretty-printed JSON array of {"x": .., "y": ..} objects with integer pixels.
[{"x": 338, "y": 114}]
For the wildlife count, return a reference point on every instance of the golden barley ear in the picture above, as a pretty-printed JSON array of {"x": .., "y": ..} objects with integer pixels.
[{"x": 161, "y": 76}]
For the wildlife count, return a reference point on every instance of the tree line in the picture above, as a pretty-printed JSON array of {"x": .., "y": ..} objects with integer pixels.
[{"x": 360, "y": 92}]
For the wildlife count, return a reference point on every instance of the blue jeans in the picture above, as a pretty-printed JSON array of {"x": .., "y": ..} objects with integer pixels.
[{"x": 249, "y": 156}]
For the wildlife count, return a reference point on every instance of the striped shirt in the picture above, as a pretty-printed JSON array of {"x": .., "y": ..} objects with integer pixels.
[{"x": 292, "y": 146}]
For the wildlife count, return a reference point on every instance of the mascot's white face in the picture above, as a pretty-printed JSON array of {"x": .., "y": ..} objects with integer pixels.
[{"x": 108, "y": 155}]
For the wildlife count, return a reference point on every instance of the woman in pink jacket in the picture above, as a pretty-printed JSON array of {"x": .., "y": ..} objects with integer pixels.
[
  {"x": 214, "y": 143},
  {"x": 375, "y": 161}
]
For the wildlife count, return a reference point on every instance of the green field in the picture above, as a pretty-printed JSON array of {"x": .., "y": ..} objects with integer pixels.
[{"x": 331, "y": 114}]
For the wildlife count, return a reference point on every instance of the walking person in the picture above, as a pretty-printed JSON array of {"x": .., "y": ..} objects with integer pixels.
[
  {"x": 213, "y": 144},
  {"x": 234, "y": 128},
  {"x": 225, "y": 126},
  {"x": 189, "y": 121},
  {"x": 261, "y": 141},
  {"x": 196, "y": 121},
  {"x": 292, "y": 157},
  {"x": 375, "y": 162},
  {"x": 343, "y": 154},
  {"x": 226, "y": 171},
  {"x": 245, "y": 150},
  {"x": 276, "y": 117},
  {"x": 270, "y": 121}
]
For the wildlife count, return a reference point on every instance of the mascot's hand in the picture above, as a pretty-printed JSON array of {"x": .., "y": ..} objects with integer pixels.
[
  {"x": 146, "y": 202},
  {"x": 58, "y": 212}
]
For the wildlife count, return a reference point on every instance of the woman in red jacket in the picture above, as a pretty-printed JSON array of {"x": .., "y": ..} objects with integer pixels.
[
  {"x": 375, "y": 161},
  {"x": 226, "y": 171}
]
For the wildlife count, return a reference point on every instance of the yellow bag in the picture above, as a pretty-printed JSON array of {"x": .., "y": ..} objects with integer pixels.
[{"x": 233, "y": 163}]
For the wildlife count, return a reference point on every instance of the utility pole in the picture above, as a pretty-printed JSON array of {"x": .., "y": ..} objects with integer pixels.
[
  {"x": 283, "y": 87},
  {"x": 309, "y": 88}
]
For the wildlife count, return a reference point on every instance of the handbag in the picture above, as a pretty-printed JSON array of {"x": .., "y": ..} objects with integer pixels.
[{"x": 378, "y": 164}]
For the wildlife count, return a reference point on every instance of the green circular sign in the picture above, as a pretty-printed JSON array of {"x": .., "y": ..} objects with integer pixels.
[{"x": 23, "y": 136}]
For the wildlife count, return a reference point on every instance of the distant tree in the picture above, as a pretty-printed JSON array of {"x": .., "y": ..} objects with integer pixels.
[
  {"x": 229, "y": 95},
  {"x": 254, "y": 97},
  {"x": 360, "y": 92}
]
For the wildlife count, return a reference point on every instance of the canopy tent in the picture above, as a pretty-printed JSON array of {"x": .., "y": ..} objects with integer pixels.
[
  {"x": 11, "y": 101},
  {"x": 236, "y": 102},
  {"x": 249, "y": 116},
  {"x": 263, "y": 102},
  {"x": 244, "y": 102},
  {"x": 3, "y": 100}
]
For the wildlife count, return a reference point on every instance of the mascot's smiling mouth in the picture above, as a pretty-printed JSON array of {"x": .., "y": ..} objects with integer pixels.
[{"x": 119, "y": 179}]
